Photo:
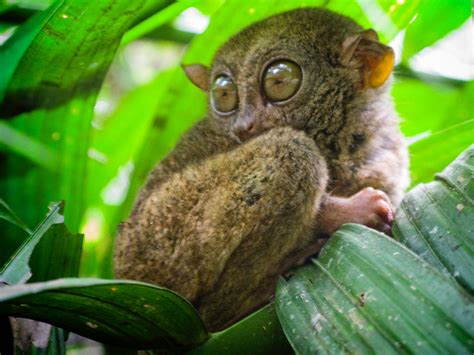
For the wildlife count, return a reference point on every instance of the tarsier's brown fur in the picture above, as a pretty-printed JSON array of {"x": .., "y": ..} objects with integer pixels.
[{"x": 220, "y": 218}]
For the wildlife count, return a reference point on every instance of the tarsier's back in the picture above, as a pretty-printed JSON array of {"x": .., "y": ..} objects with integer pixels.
[{"x": 300, "y": 137}]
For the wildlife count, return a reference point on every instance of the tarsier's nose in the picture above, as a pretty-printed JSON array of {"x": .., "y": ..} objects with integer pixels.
[{"x": 245, "y": 129}]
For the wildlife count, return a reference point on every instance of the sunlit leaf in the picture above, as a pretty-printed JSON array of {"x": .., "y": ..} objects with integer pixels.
[
  {"x": 436, "y": 220},
  {"x": 368, "y": 294}
]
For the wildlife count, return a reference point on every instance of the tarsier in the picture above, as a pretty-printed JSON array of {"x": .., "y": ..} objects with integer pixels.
[{"x": 300, "y": 138}]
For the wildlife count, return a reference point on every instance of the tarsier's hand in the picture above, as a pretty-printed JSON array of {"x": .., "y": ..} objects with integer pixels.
[{"x": 369, "y": 207}]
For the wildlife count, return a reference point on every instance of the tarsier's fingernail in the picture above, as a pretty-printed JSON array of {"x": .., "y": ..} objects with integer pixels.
[{"x": 390, "y": 216}]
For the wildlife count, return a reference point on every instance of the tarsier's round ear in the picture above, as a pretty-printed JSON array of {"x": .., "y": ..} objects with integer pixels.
[
  {"x": 374, "y": 59},
  {"x": 198, "y": 74}
]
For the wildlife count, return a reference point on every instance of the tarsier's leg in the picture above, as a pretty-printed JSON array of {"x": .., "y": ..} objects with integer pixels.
[
  {"x": 370, "y": 207},
  {"x": 219, "y": 232}
]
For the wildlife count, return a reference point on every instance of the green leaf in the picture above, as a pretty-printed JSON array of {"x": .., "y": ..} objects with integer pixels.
[
  {"x": 52, "y": 70},
  {"x": 50, "y": 252},
  {"x": 58, "y": 255},
  {"x": 432, "y": 153},
  {"x": 366, "y": 293},
  {"x": 13, "y": 50},
  {"x": 422, "y": 32},
  {"x": 122, "y": 313},
  {"x": 436, "y": 220},
  {"x": 259, "y": 333},
  {"x": 437, "y": 136},
  {"x": 7, "y": 214}
]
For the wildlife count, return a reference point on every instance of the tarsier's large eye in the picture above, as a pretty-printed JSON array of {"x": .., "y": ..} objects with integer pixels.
[
  {"x": 281, "y": 80},
  {"x": 224, "y": 94}
]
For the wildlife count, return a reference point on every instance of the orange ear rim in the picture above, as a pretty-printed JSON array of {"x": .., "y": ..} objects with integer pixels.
[
  {"x": 198, "y": 74},
  {"x": 381, "y": 68},
  {"x": 374, "y": 59}
]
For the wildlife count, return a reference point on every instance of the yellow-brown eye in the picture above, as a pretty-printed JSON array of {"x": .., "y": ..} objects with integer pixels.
[
  {"x": 281, "y": 80},
  {"x": 224, "y": 94}
]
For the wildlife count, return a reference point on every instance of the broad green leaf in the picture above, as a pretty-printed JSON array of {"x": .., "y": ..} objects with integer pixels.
[
  {"x": 259, "y": 333},
  {"x": 123, "y": 313},
  {"x": 366, "y": 293},
  {"x": 437, "y": 134},
  {"x": 7, "y": 214},
  {"x": 410, "y": 94},
  {"x": 430, "y": 154},
  {"x": 150, "y": 8},
  {"x": 58, "y": 255},
  {"x": 13, "y": 50},
  {"x": 53, "y": 69},
  {"x": 17, "y": 269},
  {"x": 436, "y": 220},
  {"x": 49, "y": 253},
  {"x": 446, "y": 14},
  {"x": 56, "y": 252}
]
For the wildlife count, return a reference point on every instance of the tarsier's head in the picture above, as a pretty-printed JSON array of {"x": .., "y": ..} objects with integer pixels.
[{"x": 307, "y": 68}]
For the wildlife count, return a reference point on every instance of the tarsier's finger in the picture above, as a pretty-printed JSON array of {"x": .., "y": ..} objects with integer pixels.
[
  {"x": 377, "y": 223},
  {"x": 384, "y": 211},
  {"x": 385, "y": 197}
]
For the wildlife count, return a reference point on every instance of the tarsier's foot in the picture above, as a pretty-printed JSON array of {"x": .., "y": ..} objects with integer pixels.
[{"x": 369, "y": 207}]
